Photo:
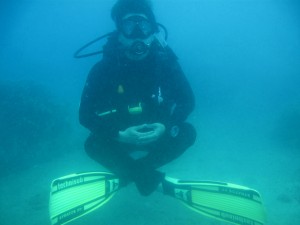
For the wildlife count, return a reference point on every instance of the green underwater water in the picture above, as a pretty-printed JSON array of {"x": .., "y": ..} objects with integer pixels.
[{"x": 242, "y": 59}]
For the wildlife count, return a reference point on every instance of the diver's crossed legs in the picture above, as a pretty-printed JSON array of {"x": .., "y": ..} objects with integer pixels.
[{"x": 116, "y": 157}]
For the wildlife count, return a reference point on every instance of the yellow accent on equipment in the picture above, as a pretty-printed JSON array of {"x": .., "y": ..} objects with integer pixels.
[
  {"x": 136, "y": 109},
  {"x": 120, "y": 89}
]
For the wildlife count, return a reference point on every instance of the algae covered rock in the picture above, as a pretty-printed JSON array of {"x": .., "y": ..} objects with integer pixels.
[{"x": 33, "y": 125}]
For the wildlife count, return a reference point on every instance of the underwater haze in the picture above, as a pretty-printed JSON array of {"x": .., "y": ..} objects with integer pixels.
[{"x": 242, "y": 58}]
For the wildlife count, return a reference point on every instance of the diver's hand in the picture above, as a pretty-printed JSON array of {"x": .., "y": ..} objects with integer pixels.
[
  {"x": 156, "y": 131},
  {"x": 142, "y": 134},
  {"x": 131, "y": 135}
]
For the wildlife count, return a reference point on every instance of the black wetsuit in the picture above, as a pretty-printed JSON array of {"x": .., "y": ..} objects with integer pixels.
[{"x": 120, "y": 93}]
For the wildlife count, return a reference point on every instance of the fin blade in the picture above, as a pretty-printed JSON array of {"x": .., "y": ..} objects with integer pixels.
[
  {"x": 75, "y": 195},
  {"x": 224, "y": 201}
]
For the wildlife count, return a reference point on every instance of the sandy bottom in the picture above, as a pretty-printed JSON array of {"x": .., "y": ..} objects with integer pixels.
[{"x": 218, "y": 155}]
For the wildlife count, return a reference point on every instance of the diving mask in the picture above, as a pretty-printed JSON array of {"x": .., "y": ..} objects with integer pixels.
[{"x": 135, "y": 26}]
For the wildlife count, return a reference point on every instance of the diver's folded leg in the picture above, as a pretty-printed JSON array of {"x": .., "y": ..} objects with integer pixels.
[
  {"x": 116, "y": 157},
  {"x": 147, "y": 179},
  {"x": 113, "y": 156},
  {"x": 161, "y": 153},
  {"x": 169, "y": 148}
]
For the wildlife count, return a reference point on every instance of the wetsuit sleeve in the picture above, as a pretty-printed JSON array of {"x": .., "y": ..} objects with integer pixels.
[
  {"x": 183, "y": 101},
  {"x": 94, "y": 100}
]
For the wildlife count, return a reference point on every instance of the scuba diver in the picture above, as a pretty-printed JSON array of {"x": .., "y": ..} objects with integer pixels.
[{"x": 137, "y": 99}]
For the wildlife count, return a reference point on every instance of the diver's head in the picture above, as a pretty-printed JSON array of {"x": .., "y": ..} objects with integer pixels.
[{"x": 136, "y": 26}]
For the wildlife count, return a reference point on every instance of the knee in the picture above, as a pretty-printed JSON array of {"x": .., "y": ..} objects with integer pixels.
[{"x": 89, "y": 146}]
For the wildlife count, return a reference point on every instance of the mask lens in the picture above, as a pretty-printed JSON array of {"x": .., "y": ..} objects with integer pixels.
[
  {"x": 128, "y": 27},
  {"x": 136, "y": 27},
  {"x": 146, "y": 27}
]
